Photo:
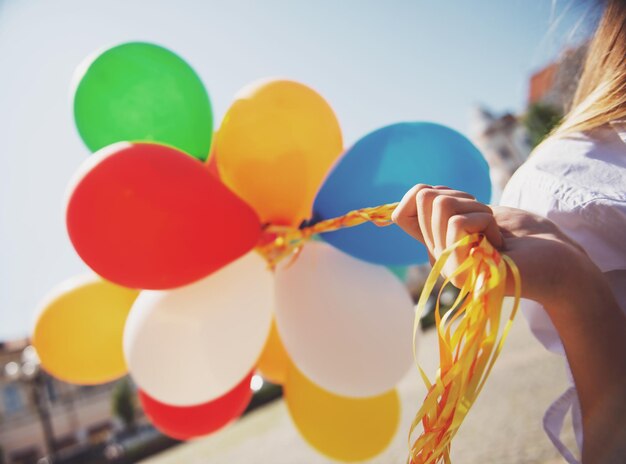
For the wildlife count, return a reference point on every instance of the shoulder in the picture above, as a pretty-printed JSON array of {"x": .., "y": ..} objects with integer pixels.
[
  {"x": 574, "y": 170},
  {"x": 579, "y": 182}
]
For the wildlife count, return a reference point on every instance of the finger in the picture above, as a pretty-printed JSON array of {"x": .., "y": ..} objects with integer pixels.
[
  {"x": 460, "y": 225},
  {"x": 429, "y": 226},
  {"x": 447, "y": 205},
  {"x": 405, "y": 214},
  {"x": 443, "y": 187},
  {"x": 424, "y": 205}
]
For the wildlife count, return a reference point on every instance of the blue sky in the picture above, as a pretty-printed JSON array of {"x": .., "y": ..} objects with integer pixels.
[{"x": 376, "y": 62}]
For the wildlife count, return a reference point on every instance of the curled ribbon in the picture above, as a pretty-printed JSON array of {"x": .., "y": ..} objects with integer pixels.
[
  {"x": 469, "y": 334},
  {"x": 470, "y": 341}
]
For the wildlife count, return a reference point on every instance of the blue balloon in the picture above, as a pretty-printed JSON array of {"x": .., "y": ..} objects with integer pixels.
[{"x": 380, "y": 168}]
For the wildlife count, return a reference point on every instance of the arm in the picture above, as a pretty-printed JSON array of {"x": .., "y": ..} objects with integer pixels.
[
  {"x": 592, "y": 329},
  {"x": 557, "y": 273}
]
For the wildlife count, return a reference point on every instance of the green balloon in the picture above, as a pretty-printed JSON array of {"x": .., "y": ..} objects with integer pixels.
[
  {"x": 140, "y": 92},
  {"x": 399, "y": 271}
]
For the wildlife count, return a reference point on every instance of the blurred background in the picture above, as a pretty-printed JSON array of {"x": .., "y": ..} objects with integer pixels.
[{"x": 499, "y": 72}]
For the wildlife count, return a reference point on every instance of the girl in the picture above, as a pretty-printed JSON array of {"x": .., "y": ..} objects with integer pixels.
[{"x": 569, "y": 240}]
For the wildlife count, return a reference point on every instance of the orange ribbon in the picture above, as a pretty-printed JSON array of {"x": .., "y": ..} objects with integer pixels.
[{"x": 279, "y": 242}]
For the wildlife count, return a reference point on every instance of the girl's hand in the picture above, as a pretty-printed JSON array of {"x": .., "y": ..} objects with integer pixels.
[
  {"x": 557, "y": 273},
  {"x": 439, "y": 217}
]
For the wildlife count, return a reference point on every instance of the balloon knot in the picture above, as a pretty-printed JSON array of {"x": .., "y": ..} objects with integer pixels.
[{"x": 278, "y": 242}]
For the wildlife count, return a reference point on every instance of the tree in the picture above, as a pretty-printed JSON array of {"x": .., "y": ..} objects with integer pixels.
[
  {"x": 123, "y": 403},
  {"x": 539, "y": 121}
]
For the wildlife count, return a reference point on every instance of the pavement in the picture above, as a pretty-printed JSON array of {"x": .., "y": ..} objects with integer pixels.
[{"x": 504, "y": 425}]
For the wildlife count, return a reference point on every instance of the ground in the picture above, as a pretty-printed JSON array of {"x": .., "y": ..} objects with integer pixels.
[{"x": 504, "y": 425}]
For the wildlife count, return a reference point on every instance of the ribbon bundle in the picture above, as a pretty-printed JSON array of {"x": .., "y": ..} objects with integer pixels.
[
  {"x": 470, "y": 341},
  {"x": 470, "y": 336}
]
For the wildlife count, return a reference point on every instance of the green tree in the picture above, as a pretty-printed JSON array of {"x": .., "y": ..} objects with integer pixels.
[
  {"x": 123, "y": 403},
  {"x": 539, "y": 121}
]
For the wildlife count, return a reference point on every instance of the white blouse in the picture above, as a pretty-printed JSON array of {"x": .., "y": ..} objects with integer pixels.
[{"x": 578, "y": 182}]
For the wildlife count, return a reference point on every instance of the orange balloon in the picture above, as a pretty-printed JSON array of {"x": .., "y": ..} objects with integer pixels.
[
  {"x": 343, "y": 428},
  {"x": 274, "y": 361},
  {"x": 274, "y": 147},
  {"x": 79, "y": 329}
]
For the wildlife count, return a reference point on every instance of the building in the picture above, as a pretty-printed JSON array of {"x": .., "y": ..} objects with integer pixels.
[
  {"x": 503, "y": 142},
  {"x": 503, "y": 139},
  {"x": 555, "y": 84},
  {"x": 40, "y": 415}
]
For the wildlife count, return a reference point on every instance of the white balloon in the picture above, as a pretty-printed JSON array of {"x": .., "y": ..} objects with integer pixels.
[
  {"x": 192, "y": 344},
  {"x": 346, "y": 324}
]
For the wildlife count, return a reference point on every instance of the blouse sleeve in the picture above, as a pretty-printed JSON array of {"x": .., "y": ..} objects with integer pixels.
[{"x": 597, "y": 222}]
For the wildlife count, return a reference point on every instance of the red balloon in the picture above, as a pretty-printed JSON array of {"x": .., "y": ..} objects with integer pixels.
[
  {"x": 183, "y": 423},
  {"x": 145, "y": 215}
]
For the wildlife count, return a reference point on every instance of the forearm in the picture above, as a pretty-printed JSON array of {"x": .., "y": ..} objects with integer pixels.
[{"x": 593, "y": 331}]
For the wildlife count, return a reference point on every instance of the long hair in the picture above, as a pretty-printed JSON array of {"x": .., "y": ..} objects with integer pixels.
[{"x": 601, "y": 93}]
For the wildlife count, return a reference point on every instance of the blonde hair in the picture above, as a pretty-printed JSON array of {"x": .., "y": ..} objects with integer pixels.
[{"x": 601, "y": 93}]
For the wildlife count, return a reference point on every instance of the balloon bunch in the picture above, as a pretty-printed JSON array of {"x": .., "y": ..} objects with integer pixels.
[{"x": 187, "y": 231}]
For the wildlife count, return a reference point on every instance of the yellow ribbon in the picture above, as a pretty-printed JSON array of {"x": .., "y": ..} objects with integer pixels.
[
  {"x": 470, "y": 341},
  {"x": 469, "y": 334}
]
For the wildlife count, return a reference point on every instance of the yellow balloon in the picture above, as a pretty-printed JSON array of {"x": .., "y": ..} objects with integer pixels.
[
  {"x": 78, "y": 331},
  {"x": 342, "y": 428},
  {"x": 274, "y": 361},
  {"x": 274, "y": 147}
]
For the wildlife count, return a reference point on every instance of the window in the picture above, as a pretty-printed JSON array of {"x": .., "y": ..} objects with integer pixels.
[
  {"x": 51, "y": 389},
  {"x": 12, "y": 399},
  {"x": 505, "y": 153}
]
